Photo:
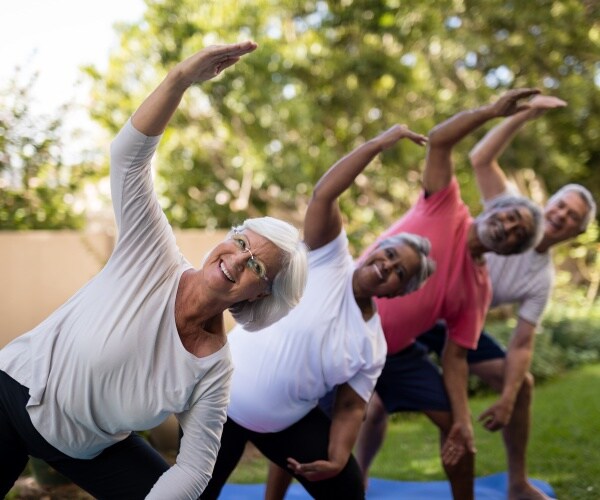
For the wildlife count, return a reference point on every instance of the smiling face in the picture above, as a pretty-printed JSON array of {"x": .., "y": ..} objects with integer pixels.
[
  {"x": 243, "y": 267},
  {"x": 563, "y": 217},
  {"x": 502, "y": 230},
  {"x": 386, "y": 271}
]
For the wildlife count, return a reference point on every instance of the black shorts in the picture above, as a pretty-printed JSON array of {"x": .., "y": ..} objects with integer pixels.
[
  {"x": 410, "y": 381},
  {"x": 487, "y": 347}
]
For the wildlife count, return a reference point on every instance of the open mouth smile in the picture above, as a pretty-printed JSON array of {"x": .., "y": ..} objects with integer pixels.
[
  {"x": 378, "y": 271},
  {"x": 226, "y": 272}
]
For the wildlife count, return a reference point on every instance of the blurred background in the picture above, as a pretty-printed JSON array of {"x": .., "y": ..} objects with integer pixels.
[{"x": 327, "y": 76}]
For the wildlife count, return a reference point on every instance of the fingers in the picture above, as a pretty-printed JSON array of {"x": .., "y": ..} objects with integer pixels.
[
  {"x": 418, "y": 139},
  {"x": 522, "y": 93},
  {"x": 233, "y": 49},
  {"x": 452, "y": 453}
]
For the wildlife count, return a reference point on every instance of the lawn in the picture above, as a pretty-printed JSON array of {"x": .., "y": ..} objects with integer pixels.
[{"x": 564, "y": 447}]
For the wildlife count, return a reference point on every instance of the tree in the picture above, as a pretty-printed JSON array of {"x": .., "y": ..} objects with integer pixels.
[
  {"x": 330, "y": 74},
  {"x": 37, "y": 189}
]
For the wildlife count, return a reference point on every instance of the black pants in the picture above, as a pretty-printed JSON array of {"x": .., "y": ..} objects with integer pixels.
[
  {"x": 126, "y": 470},
  {"x": 307, "y": 440}
]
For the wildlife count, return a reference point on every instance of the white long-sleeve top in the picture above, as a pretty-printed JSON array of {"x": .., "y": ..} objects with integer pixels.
[
  {"x": 110, "y": 361},
  {"x": 283, "y": 370}
]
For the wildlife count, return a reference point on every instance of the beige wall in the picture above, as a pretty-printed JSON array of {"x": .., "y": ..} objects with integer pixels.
[{"x": 39, "y": 270}]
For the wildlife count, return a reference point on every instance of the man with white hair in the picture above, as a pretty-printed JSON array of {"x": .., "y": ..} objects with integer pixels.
[{"x": 526, "y": 280}]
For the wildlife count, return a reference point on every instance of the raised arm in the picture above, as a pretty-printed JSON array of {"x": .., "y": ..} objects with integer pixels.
[
  {"x": 323, "y": 220},
  {"x": 153, "y": 115},
  {"x": 484, "y": 156},
  {"x": 443, "y": 137}
]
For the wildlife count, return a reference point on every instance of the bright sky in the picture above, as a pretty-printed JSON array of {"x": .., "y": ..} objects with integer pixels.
[{"x": 55, "y": 38}]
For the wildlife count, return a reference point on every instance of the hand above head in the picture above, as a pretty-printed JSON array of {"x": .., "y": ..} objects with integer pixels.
[
  {"x": 542, "y": 103},
  {"x": 152, "y": 117},
  {"x": 315, "y": 471},
  {"x": 212, "y": 60},
  {"x": 393, "y": 134},
  {"x": 510, "y": 102}
]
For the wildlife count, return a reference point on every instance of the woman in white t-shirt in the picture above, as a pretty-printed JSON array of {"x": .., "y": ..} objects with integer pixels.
[
  {"x": 333, "y": 339},
  {"x": 145, "y": 337}
]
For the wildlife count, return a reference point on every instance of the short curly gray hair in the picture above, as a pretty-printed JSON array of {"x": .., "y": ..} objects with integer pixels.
[
  {"x": 537, "y": 216},
  {"x": 287, "y": 287},
  {"x": 422, "y": 247}
]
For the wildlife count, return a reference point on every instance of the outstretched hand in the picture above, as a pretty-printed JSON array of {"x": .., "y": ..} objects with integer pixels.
[
  {"x": 212, "y": 60},
  {"x": 539, "y": 104},
  {"x": 510, "y": 102},
  {"x": 315, "y": 471},
  {"x": 459, "y": 441},
  {"x": 393, "y": 134}
]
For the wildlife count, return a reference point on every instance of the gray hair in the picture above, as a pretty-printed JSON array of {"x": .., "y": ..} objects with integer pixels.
[
  {"x": 537, "y": 216},
  {"x": 585, "y": 195},
  {"x": 422, "y": 247},
  {"x": 287, "y": 287}
]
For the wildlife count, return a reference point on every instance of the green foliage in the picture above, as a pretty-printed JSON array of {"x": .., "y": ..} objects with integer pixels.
[
  {"x": 567, "y": 338},
  {"x": 37, "y": 188},
  {"x": 329, "y": 75}
]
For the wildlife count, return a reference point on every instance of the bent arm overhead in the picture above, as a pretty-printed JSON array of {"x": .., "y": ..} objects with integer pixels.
[
  {"x": 484, "y": 156},
  {"x": 443, "y": 137},
  {"x": 323, "y": 220},
  {"x": 153, "y": 115}
]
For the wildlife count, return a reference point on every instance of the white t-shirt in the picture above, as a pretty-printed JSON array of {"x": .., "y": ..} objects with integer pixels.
[
  {"x": 110, "y": 360},
  {"x": 525, "y": 279},
  {"x": 282, "y": 371}
]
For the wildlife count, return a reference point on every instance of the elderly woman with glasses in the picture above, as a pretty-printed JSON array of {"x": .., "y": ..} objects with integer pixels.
[
  {"x": 145, "y": 338},
  {"x": 332, "y": 340}
]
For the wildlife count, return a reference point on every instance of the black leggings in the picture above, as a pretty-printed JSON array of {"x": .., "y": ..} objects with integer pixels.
[
  {"x": 307, "y": 440},
  {"x": 125, "y": 470}
]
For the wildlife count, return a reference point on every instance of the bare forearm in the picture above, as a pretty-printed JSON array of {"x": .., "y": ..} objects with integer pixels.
[
  {"x": 456, "y": 376},
  {"x": 496, "y": 140},
  {"x": 343, "y": 173},
  {"x": 153, "y": 115},
  {"x": 450, "y": 132},
  {"x": 518, "y": 362},
  {"x": 343, "y": 434}
]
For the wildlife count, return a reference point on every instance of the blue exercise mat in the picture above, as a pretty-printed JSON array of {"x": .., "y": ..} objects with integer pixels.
[{"x": 486, "y": 488}]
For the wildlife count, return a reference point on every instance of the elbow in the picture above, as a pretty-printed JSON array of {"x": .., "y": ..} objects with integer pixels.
[
  {"x": 476, "y": 159},
  {"x": 435, "y": 137}
]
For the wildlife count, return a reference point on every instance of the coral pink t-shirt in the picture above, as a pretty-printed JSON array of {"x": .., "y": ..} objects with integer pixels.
[{"x": 459, "y": 291}]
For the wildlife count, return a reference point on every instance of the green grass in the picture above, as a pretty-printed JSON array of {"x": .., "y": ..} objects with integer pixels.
[{"x": 564, "y": 447}]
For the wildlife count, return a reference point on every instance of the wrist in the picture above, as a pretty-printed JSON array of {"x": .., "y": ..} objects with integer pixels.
[
  {"x": 374, "y": 145},
  {"x": 177, "y": 79}
]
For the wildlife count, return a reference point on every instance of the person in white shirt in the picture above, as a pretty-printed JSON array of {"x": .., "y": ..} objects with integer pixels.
[
  {"x": 526, "y": 280},
  {"x": 145, "y": 338},
  {"x": 332, "y": 340}
]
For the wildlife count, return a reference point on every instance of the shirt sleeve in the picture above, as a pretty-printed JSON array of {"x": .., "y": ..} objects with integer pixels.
[
  {"x": 134, "y": 201},
  {"x": 532, "y": 307},
  {"x": 363, "y": 383},
  {"x": 202, "y": 426}
]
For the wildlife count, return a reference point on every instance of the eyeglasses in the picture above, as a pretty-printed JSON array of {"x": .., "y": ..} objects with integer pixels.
[{"x": 255, "y": 265}]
